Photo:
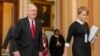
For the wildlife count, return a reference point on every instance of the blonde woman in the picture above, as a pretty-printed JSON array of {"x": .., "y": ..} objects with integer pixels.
[{"x": 79, "y": 30}]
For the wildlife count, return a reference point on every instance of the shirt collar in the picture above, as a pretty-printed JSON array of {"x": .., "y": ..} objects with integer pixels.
[
  {"x": 30, "y": 21},
  {"x": 80, "y": 22},
  {"x": 56, "y": 35}
]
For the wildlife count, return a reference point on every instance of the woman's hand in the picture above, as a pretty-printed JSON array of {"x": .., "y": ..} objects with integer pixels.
[
  {"x": 65, "y": 52},
  {"x": 16, "y": 53}
]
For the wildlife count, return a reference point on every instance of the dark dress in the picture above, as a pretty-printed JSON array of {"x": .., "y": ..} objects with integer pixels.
[
  {"x": 80, "y": 47},
  {"x": 54, "y": 50}
]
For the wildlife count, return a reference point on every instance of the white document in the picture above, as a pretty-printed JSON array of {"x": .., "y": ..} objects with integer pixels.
[{"x": 93, "y": 32}]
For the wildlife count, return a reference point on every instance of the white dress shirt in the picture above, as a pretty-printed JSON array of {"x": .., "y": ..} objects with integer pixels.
[{"x": 30, "y": 21}]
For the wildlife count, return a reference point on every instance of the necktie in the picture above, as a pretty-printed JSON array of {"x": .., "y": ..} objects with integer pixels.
[{"x": 33, "y": 29}]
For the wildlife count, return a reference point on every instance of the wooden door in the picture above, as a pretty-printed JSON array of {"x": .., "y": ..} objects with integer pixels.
[{"x": 8, "y": 16}]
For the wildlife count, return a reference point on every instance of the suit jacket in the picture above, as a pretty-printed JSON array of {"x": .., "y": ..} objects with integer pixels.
[
  {"x": 8, "y": 39},
  {"x": 23, "y": 41}
]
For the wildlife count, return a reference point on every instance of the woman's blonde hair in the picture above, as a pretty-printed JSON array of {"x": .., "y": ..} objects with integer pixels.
[{"x": 82, "y": 8}]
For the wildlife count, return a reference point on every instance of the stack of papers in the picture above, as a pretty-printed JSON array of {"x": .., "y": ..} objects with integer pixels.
[{"x": 93, "y": 32}]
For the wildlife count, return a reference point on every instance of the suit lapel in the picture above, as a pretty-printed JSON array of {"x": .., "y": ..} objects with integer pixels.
[
  {"x": 36, "y": 27},
  {"x": 28, "y": 27}
]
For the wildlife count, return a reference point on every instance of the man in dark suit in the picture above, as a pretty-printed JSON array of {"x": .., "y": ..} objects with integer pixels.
[
  {"x": 28, "y": 34},
  {"x": 8, "y": 40}
]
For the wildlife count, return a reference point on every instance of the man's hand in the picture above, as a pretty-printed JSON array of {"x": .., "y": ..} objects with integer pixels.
[{"x": 16, "y": 53}]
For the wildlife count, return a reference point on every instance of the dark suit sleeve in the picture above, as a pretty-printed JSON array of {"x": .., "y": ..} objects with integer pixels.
[
  {"x": 40, "y": 37},
  {"x": 17, "y": 32},
  {"x": 40, "y": 42},
  {"x": 8, "y": 38},
  {"x": 70, "y": 33}
]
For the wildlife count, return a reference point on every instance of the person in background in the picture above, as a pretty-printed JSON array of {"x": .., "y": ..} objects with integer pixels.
[
  {"x": 8, "y": 40},
  {"x": 56, "y": 45},
  {"x": 44, "y": 51},
  {"x": 79, "y": 29},
  {"x": 28, "y": 34}
]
